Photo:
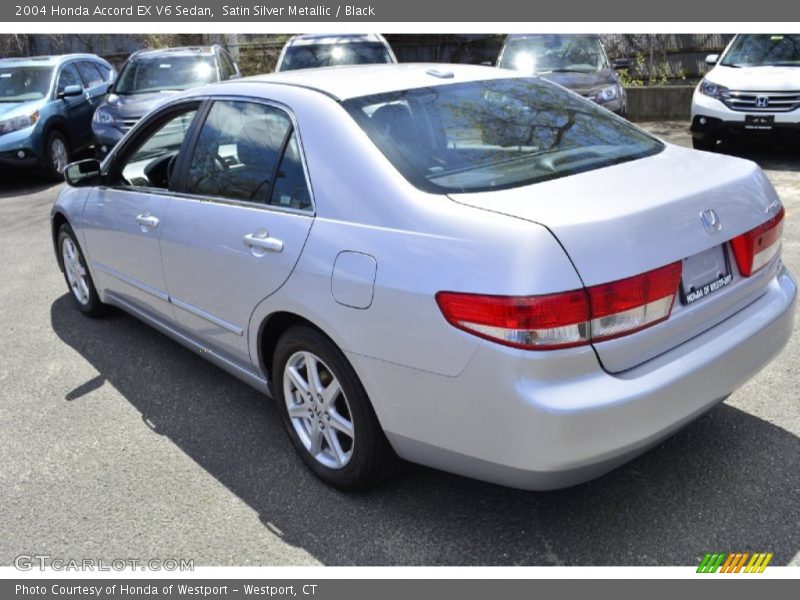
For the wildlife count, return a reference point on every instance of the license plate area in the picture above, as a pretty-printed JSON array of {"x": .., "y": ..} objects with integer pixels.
[
  {"x": 705, "y": 273},
  {"x": 760, "y": 122}
]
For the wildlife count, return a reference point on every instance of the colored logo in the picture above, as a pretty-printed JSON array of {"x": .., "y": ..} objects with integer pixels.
[{"x": 735, "y": 562}]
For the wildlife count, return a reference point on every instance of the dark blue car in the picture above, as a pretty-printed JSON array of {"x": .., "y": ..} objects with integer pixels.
[{"x": 150, "y": 76}]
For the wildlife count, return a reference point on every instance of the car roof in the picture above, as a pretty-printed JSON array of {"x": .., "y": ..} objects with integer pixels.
[
  {"x": 308, "y": 39},
  {"x": 46, "y": 60},
  {"x": 346, "y": 82}
]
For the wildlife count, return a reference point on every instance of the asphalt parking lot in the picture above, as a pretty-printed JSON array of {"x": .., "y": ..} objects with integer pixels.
[{"x": 118, "y": 443}]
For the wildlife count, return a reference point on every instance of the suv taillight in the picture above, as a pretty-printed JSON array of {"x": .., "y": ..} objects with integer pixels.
[
  {"x": 755, "y": 248},
  {"x": 566, "y": 319}
]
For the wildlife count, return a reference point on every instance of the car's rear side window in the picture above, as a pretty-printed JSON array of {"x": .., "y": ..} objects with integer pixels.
[
  {"x": 247, "y": 151},
  {"x": 495, "y": 134}
]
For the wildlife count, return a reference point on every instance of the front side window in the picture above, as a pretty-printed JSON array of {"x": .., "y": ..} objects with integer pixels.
[
  {"x": 238, "y": 156},
  {"x": 21, "y": 84},
  {"x": 144, "y": 75},
  {"x": 68, "y": 76},
  {"x": 764, "y": 50},
  {"x": 90, "y": 75},
  {"x": 553, "y": 53},
  {"x": 150, "y": 161},
  {"x": 328, "y": 55},
  {"x": 495, "y": 134}
]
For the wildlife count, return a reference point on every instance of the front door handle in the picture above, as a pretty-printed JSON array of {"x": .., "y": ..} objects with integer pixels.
[
  {"x": 260, "y": 243},
  {"x": 147, "y": 221}
]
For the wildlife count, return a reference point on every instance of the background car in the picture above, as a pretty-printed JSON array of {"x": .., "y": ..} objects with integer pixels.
[
  {"x": 467, "y": 267},
  {"x": 46, "y": 107},
  {"x": 309, "y": 51},
  {"x": 147, "y": 77},
  {"x": 754, "y": 87},
  {"x": 578, "y": 62}
]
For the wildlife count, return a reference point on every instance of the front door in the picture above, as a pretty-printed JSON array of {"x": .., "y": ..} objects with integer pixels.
[{"x": 124, "y": 220}]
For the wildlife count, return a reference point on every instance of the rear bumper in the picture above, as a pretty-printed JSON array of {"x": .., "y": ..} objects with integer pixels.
[{"x": 550, "y": 420}]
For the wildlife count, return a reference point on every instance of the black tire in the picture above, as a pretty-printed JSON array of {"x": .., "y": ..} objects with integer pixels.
[
  {"x": 707, "y": 144},
  {"x": 372, "y": 458},
  {"x": 50, "y": 167},
  {"x": 92, "y": 307}
]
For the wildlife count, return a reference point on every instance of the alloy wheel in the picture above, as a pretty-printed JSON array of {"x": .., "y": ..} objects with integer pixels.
[
  {"x": 75, "y": 270},
  {"x": 318, "y": 409},
  {"x": 59, "y": 155}
]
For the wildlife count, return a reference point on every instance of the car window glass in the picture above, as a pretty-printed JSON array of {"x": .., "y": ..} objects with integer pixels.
[
  {"x": 68, "y": 76},
  {"x": 291, "y": 189},
  {"x": 105, "y": 71},
  {"x": 495, "y": 134},
  {"x": 228, "y": 70},
  {"x": 89, "y": 74},
  {"x": 20, "y": 84},
  {"x": 150, "y": 164},
  {"x": 237, "y": 151}
]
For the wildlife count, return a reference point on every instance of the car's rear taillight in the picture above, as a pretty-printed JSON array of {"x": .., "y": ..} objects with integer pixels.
[
  {"x": 566, "y": 319},
  {"x": 755, "y": 248}
]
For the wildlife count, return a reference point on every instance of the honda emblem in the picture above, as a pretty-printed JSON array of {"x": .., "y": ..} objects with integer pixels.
[{"x": 710, "y": 221}]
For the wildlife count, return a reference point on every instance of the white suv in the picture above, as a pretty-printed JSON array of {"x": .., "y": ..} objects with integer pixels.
[
  {"x": 313, "y": 50},
  {"x": 754, "y": 86}
]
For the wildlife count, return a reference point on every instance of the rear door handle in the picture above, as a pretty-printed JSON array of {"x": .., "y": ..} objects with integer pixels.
[
  {"x": 147, "y": 221},
  {"x": 260, "y": 243}
]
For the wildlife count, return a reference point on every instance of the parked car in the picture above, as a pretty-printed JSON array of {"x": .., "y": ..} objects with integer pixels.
[
  {"x": 578, "y": 62},
  {"x": 464, "y": 266},
  {"x": 148, "y": 77},
  {"x": 313, "y": 50},
  {"x": 46, "y": 106},
  {"x": 754, "y": 87}
]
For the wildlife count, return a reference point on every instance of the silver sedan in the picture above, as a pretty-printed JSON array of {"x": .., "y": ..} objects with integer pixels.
[{"x": 460, "y": 266}]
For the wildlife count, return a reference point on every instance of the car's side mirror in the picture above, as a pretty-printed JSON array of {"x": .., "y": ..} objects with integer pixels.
[
  {"x": 621, "y": 63},
  {"x": 712, "y": 59},
  {"x": 70, "y": 90},
  {"x": 83, "y": 173}
]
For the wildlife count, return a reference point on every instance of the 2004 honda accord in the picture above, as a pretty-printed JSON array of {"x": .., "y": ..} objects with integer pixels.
[{"x": 461, "y": 266}]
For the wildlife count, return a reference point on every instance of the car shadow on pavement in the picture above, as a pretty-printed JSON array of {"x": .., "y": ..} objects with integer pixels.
[
  {"x": 14, "y": 182},
  {"x": 728, "y": 482}
]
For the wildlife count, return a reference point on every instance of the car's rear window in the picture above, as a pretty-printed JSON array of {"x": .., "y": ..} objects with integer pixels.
[
  {"x": 495, "y": 134},
  {"x": 329, "y": 55}
]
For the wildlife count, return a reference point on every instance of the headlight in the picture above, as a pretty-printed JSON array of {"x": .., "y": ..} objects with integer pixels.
[
  {"x": 18, "y": 123},
  {"x": 712, "y": 90},
  {"x": 608, "y": 94},
  {"x": 103, "y": 117}
]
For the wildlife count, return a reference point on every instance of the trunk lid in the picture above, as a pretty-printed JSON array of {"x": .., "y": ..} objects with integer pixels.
[{"x": 626, "y": 219}]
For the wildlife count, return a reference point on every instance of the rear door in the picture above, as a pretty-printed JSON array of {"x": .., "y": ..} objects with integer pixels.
[{"x": 236, "y": 230}]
